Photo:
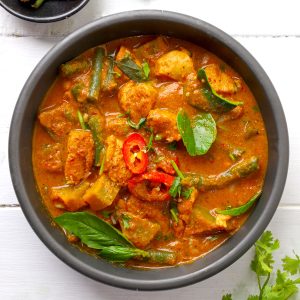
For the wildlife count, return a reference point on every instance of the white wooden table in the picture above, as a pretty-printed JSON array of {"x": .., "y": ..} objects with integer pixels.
[{"x": 269, "y": 29}]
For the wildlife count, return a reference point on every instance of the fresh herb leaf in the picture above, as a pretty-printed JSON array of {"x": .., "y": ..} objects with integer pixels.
[
  {"x": 198, "y": 133},
  {"x": 137, "y": 126},
  {"x": 186, "y": 192},
  {"x": 291, "y": 265},
  {"x": 81, "y": 121},
  {"x": 101, "y": 170},
  {"x": 175, "y": 188},
  {"x": 91, "y": 230},
  {"x": 149, "y": 146},
  {"x": 227, "y": 297},
  {"x": 135, "y": 72},
  {"x": 217, "y": 102},
  {"x": 253, "y": 297},
  {"x": 125, "y": 220},
  {"x": 236, "y": 211},
  {"x": 172, "y": 146},
  {"x": 175, "y": 167},
  {"x": 174, "y": 212}
]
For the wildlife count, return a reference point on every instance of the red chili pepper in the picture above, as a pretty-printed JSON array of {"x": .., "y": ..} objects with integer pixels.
[
  {"x": 151, "y": 186},
  {"x": 134, "y": 153}
]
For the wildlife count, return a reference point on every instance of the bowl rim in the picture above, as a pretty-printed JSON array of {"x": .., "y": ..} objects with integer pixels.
[
  {"x": 248, "y": 239},
  {"x": 36, "y": 19}
]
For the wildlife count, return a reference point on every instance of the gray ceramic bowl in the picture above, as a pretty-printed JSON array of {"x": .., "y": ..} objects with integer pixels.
[{"x": 124, "y": 25}]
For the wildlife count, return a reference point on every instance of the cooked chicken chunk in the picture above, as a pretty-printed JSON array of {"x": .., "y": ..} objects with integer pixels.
[
  {"x": 220, "y": 81},
  {"x": 51, "y": 157},
  {"x": 137, "y": 99},
  {"x": 164, "y": 124},
  {"x": 80, "y": 156},
  {"x": 59, "y": 120},
  {"x": 138, "y": 230},
  {"x": 117, "y": 126},
  {"x": 114, "y": 163},
  {"x": 175, "y": 64}
]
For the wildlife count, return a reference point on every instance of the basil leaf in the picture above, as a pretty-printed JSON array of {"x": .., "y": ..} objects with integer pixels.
[
  {"x": 236, "y": 211},
  {"x": 91, "y": 230},
  {"x": 129, "y": 67},
  {"x": 175, "y": 187},
  {"x": 198, "y": 134},
  {"x": 121, "y": 254},
  {"x": 217, "y": 102}
]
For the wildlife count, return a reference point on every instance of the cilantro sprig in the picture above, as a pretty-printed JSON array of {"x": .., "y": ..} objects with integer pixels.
[{"x": 285, "y": 284}]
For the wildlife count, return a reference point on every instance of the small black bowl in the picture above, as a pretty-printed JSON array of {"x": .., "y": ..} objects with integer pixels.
[
  {"x": 50, "y": 11},
  {"x": 124, "y": 25}
]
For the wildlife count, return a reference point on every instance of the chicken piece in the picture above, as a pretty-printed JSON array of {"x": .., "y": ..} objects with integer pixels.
[
  {"x": 152, "y": 49},
  {"x": 164, "y": 124},
  {"x": 69, "y": 197},
  {"x": 51, "y": 157},
  {"x": 185, "y": 207},
  {"x": 175, "y": 64},
  {"x": 233, "y": 114},
  {"x": 138, "y": 230},
  {"x": 117, "y": 126},
  {"x": 220, "y": 81},
  {"x": 80, "y": 158},
  {"x": 137, "y": 99},
  {"x": 203, "y": 223},
  {"x": 114, "y": 163},
  {"x": 59, "y": 120},
  {"x": 102, "y": 193}
]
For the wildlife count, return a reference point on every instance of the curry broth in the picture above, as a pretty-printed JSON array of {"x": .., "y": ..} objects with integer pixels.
[{"x": 230, "y": 135}]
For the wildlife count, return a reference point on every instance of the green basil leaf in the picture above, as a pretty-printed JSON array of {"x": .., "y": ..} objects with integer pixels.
[
  {"x": 217, "y": 102},
  {"x": 129, "y": 67},
  {"x": 198, "y": 134},
  {"x": 236, "y": 211},
  {"x": 91, "y": 230}
]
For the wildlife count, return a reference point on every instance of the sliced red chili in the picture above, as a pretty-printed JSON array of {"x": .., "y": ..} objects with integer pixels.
[
  {"x": 151, "y": 186},
  {"x": 134, "y": 153}
]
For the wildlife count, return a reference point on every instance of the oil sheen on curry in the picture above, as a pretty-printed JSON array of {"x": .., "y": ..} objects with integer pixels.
[{"x": 149, "y": 151}]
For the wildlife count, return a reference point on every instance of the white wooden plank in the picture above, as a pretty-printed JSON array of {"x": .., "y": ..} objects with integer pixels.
[
  {"x": 252, "y": 17},
  {"x": 28, "y": 270}
]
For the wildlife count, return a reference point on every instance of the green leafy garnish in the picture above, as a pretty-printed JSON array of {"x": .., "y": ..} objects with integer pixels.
[
  {"x": 262, "y": 264},
  {"x": 111, "y": 243},
  {"x": 125, "y": 220},
  {"x": 81, "y": 121},
  {"x": 236, "y": 211},
  {"x": 175, "y": 188},
  {"x": 149, "y": 146},
  {"x": 217, "y": 102},
  {"x": 135, "y": 72},
  {"x": 198, "y": 133},
  {"x": 174, "y": 212},
  {"x": 137, "y": 126}
]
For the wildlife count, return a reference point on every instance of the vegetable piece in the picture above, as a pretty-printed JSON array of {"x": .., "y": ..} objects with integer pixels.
[
  {"x": 217, "y": 102},
  {"x": 241, "y": 169},
  {"x": 109, "y": 83},
  {"x": 113, "y": 245},
  {"x": 69, "y": 197},
  {"x": 75, "y": 67},
  {"x": 81, "y": 121},
  {"x": 262, "y": 264},
  {"x": 96, "y": 127},
  {"x": 236, "y": 154},
  {"x": 198, "y": 134},
  {"x": 134, "y": 153},
  {"x": 236, "y": 211},
  {"x": 131, "y": 69},
  {"x": 137, "y": 126},
  {"x": 102, "y": 193},
  {"x": 174, "y": 212},
  {"x": 95, "y": 83},
  {"x": 37, "y": 3},
  {"x": 161, "y": 183}
]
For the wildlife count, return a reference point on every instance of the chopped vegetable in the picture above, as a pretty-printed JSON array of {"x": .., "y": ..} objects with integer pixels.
[
  {"x": 75, "y": 67},
  {"x": 96, "y": 126},
  {"x": 161, "y": 182},
  {"x": 135, "y": 72},
  {"x": 81, "y": 121},
  {"x": 174, "y": 212},
  {"x": 95, "y": 83},
  {"x": 198, "y": 133},
  {"x": 113, "y": 245},
  {"x": 217, "y": 102},
  {"x": 137, "y": 126},
  {"x": 134, "y": 153},
  {"x": 236, "y": 211}
]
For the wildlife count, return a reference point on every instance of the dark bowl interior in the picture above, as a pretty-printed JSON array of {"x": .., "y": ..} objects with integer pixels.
[
  {"x": 50, "y": 11},
  {"x": 124, "y": 25}
]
